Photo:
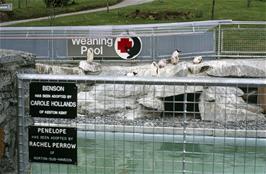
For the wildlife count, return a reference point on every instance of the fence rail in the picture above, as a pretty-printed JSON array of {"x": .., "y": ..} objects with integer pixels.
[{"x": 222, "y": 38}]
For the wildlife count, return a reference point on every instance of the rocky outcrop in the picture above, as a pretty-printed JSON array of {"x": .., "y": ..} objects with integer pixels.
[
  {"x": 151, "y": 103},
  {"x": 11, "y": 62},
  {"x": 57, "y": 69},
  {"x": 134, "y": 101},
  {"x": 226, "y": 104},
  {"x": 230, "y": 68},
  {"x": 130, "y": 101},
  {"x": 90, "y": 67},
  {"x": 83, "y": 68},
  {"x": 238, "y": 70}
]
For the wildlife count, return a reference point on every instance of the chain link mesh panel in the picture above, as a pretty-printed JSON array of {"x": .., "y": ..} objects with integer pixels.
[{"x": 157, "y": 126}]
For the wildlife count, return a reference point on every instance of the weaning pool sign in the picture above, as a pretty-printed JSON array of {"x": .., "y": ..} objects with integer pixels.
[
  {"x": 52, "y": 144},
  {"x": 125, "y": 47}
]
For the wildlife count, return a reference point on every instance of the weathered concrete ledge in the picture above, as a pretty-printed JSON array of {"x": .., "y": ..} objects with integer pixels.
[{"x": 164, "y": 130}]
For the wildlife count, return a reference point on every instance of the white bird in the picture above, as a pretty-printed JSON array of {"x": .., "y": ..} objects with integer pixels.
[
  {"x": 162, "y": 63},
  {"x": 90, "y": 55},
  {"x": 154, "y": 68},
  {"x": 174, "y": 57},
  {"x": 131, "y": 74},
  {"x": 197, "y": 59}
]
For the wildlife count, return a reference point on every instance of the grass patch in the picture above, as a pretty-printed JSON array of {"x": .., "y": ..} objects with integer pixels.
[
  {"x": 198, "y": 10},
  {"x": 37, "y": 8}
]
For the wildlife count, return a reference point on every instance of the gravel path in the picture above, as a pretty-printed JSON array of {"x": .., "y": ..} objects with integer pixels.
[
  {"x": 124, "y": 3},
  {"x": 166, "y": 121}
]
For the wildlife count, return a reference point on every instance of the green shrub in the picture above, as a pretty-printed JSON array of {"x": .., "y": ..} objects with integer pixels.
[
  {"x": 56, "y": 3},
  {"x": 198, "y": 13}
]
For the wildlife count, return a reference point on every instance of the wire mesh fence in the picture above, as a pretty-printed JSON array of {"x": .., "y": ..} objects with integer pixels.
[
  {"x": 243, "y": 41},
  {"x": 129, "y": 125}
]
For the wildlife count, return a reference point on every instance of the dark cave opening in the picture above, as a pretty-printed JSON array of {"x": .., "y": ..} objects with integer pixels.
[
  {"x": 250, "y": 95},
  {"x": 175, "y": 105}
]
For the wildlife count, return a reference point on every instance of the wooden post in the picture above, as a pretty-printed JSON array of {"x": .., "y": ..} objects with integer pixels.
[
  {"x": 107, "y": 6},
  {"x": 213, "y": 9},
  {"x": 262, "y": 98},
  {"x": 2, "y": 144}
]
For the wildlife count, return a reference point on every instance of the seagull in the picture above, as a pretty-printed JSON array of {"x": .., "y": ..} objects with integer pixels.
[
  {"x": 162, "y": 63},
  {"x": 90, "y": 56},
  {"x": 197, "y": 59},
  {"x": 131, "y": 74},
  {"x": 174, "y": 57}
]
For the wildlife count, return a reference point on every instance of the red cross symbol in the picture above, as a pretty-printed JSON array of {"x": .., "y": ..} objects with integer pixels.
[{"x": 124, "y": 44}]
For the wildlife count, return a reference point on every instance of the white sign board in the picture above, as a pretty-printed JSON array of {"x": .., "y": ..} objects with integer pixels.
[
  {"x": 6, "y": 7},
  {"x": 125, "y": 47}
]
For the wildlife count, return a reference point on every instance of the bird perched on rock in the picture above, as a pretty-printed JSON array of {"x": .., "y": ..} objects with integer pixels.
[
  {"x": 131, "y": 74},
  {"x": 90, "y": 56},
  {"x": 174, "y": 58},
  {"x": 197, "y": 59},
  {"x": 154, "y": 68},
  {"x": 162, "y": 63}
]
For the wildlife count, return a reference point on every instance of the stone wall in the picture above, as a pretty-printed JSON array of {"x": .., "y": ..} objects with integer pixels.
[{"x": 11, "y": 62}]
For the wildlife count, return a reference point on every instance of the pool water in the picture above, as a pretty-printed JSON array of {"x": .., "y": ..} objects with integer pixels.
[{"x": 138, "y": 157}]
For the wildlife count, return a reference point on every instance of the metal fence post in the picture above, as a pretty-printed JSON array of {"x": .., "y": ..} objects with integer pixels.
[
  {"x": 184, "y": 130},
  {"x": 219, "y": 42},
  {"x": 21, "y": 128},
  {"x": 153, "y": 48}
]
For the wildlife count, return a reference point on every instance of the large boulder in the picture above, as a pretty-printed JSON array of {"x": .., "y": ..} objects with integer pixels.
[
  {"x": 226, "y": 104},
  {"x": 90, "y": 67},
  {"x": 13, "y": 60},
  {"x": 162, "y": 91},
  {"x": 178, "y": 70},
  {"x": 151, "y": 103},
  {"x": 238, "y": 70},
  {"x": 57, "y": 69},
  {"x": 230, "y": 68},
  {"x": 101, "y": 102}
]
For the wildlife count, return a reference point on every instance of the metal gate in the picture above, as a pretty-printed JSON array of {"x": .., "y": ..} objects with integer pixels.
[{"x": 129, "y": 125}]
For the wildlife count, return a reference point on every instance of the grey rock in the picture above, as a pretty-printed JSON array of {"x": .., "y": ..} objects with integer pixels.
[
  {"x": 148, "y": 70},
  {"x": 90, "y": 66},
  {"x": 120, "y": 90},
  {"x": 139, "y": 112},
  {"x": 148, "y": 124},
  {"x": 162, "y": 91},
  {"x": 178, "y": 70},
  {"x": 4, "y": 104},
  {"x": 11, "y": 63},
  {"x": 239, "y": 70},
  {"x": 225, "y": 104},
  {"x": 56, "y": 69},
  {"x": 198, "y": 68},
  {"x": 151, "y": 103},
  {"x": 6, "y": 78},
  {"x": 222, "y": 93},
  {"x": 99, "y": 103},
  {"x": 13, "y": 59}
]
